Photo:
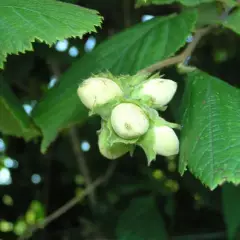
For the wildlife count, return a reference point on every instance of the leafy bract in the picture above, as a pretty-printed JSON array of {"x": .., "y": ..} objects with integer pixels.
[
  {"x": 231, "y": 209},
  {"x": 141, "y": 220},
  {"x": 13, "y": 119},
  {"x": 233, "y": 21},
  {"x": 210, "y": 139},
  {"x": 160, "y": 2},
  {"x": 24, "y": 21},
  {"x": 125, "y": 53}
]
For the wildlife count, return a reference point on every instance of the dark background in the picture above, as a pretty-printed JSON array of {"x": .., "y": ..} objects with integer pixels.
[{"x": 191, "y": 209}]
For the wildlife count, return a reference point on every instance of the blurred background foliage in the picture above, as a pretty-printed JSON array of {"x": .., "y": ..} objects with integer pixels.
[{"x": 34, "y": 185}]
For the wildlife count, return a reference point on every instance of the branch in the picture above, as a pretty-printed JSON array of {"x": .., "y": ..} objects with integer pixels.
[
  {"x": 82, "y": 163},
  {"x": 70, "y": 204},
  {"x": 182, "y": 56},
  {"x": 200, "y": 33},
  {"x": 75, "y": 144}
]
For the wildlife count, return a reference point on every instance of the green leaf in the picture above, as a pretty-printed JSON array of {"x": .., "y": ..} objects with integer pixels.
[
  {"x": 208, "y": 13},
  {"x": 231, "y": 209},
  {"x": 24, "y": 21},
  {"x": 13, "y": 119},
  {"x": 161, "y": 2},
  {"x": 140, "y": 221},
  {"x": 210, "y": 139},
  {"x": 233, "y": 21},
  {"x": 125, "y": 53}
]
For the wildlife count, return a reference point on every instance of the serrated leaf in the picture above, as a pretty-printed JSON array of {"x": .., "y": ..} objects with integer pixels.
[
  {"x": 141, "y": 220},
  {"x": 161, "y": 2},
  {"x": 231, "y": 209},
  {"x": 233, "y": 21},
  {"x": 125, "y": 53},
  {"x": 210, "y": 139},
  {"x": 13, "y": 119},
  {"x": 24, "y": 21}
]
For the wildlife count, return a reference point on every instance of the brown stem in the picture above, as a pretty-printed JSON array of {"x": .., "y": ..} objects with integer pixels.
[
  {"x": 182, "y": 56},
  {"x": 81, "y": 160},
  {"x": 70, "y": 204}
]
